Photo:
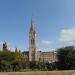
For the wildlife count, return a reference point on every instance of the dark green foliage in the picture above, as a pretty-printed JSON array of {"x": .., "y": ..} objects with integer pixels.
[
  {"x": 14, "y": 61},
  {"x": 6, "y": 55},
  {"x": 16, "y": 66},
  {"x": 11, "y": 61},
  {"x": 51, "y": 66},
  {"x": 66, "y": 58},
  {"x": 42, "y": 66}
]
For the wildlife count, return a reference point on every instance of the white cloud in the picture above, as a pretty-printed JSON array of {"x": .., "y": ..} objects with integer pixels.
[
  {"x": 12, "y": 49},
  {"x": 46, "y": 42},
  {"x": 69, "y": 43},
  {"x": 67, "y": 35},
  {"x": 45, "y": 49},
  {"x": 1, "y": 43}
]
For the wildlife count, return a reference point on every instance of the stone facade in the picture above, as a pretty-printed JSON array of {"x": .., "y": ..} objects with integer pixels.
[{"x": 46, "y": 56}]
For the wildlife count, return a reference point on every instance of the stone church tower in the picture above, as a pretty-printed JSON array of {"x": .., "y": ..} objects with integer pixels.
[{"x": 32, "y": 45}]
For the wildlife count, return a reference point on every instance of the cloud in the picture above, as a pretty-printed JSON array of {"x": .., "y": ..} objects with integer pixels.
[
  {"x": 12, "y": 49},
  {"x": 1, "y": 43},
  {"x": 45, "y": 49},
  {"x": 70, "y": 43},
  {"x": 46, "y": 42},
  {"x": 67, "y": 35}
]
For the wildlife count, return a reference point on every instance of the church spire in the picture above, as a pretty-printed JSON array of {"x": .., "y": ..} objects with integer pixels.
[
  {"x": 32, "y": 28},
  {"x": 32, "y": 44}
]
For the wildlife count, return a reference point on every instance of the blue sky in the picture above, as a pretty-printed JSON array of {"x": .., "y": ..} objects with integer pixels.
[{"x": 54, "y": 23}]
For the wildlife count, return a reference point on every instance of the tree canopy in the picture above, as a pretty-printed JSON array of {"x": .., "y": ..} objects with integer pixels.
[{"x": 66, "y": 57}]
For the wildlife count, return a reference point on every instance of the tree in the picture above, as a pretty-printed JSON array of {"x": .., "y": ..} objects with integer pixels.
[
  {"x": 66, "y": 58},
  {"x": 18, "y": 56},
  {"x": 17, "y": 63},
  {"x": 5, "y": 58},
  {"x": 6, "y": 55}
]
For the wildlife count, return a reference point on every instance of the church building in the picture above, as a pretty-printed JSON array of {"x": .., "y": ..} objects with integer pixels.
[{"x": 33, "y": 54}]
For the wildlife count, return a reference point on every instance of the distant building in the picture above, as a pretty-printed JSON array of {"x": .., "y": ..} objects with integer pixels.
[{"x": 33, "y": 54}]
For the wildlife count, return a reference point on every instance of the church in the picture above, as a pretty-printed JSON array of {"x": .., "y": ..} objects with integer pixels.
[{"x": 33, "y": 54}]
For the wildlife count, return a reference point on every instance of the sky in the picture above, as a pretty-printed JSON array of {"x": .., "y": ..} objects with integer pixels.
[{"x": 54, "y": 23}]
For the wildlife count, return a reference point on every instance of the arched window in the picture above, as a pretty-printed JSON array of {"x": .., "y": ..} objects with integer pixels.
[{"x": 33, "y": 41}]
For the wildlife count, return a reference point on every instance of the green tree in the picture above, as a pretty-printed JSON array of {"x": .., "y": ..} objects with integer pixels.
[
  {"x": 6, "y": 55},
  {"x": 6, "y": 58},
  {"x": 17, "y": 63},
  {"x": 66, "y": 58},
  {"x": 18, "y": 56}
]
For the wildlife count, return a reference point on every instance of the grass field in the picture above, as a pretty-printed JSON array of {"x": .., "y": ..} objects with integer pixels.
[{"x": 40, "y": 73}]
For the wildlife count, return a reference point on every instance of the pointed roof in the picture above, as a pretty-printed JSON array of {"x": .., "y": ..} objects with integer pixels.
[
  {"x": 32, "y": 28},
  {"x": 16, "y": 49}
]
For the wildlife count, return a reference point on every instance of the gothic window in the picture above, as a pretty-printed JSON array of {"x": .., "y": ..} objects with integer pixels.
[{"x": 33, "y": 41}]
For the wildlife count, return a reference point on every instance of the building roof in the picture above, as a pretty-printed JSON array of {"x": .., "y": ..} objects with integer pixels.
[{"x": 26, "y": 53}]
